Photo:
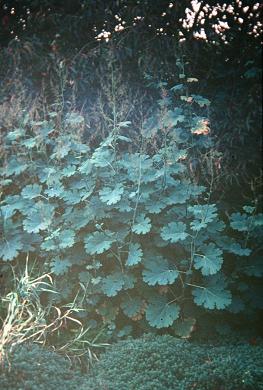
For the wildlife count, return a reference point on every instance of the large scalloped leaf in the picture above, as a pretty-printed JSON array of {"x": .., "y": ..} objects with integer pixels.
[
  {"x": 177, "y": 195},
  {"x": 39, "y": 218},
  {"x": 258, "y": 220},
  {"x": 79, "y": 183},
  {"x": 173, "y": 117},
  {"x": 150, "y": 175},
  {"x": 158, "y": 271},
  {"x": 131, "y": 306},
  {"x": 85, "y": 167},
  {"x": 197, "y": 225},
  {"x": 204, "y": 214},
  {"x": 69, "y": 170},
  {"x": 240, "y": 222},
  {"x": 14, "y": 167},
  {"x": 72, "y": 197},
  {"x": 61, "y": 149},
  {"x": 51, "y": 242},
  {"x": 102, "y": 158},
  {"x": 31, "y": 242},
  {"x": 60, "y": 267},
  {"x": 95, "y": 209},
  {"x": 9, "y": 248},
  {"x": 48, "y": 244},
  {"x": 13, "y": 203},
  {"x": 174, "y": 232},
  {"x": 111, "y": 196},
  {"x": 162, "y": 314},
  {"x": 214, "y": 297},
  {"x": 112, "y": 284},
  {"x": 98, "y": 242},
  {"x": 210, "y": 261},
  {"x": 155, "y": 206},
  {"x": 142, "y": 224},
  {"x": 183, "y": 328},
  {"x": 66, "y": 238},
  {"x": 31, "y": 191},
  {"x": 78, "y": 218},
  {"x": 135, "y": 254},
  {"x": 55, "y": 191},
  {"x": 108, "y": 310},
  {"x": 128, "y": 281},
  {"x": 123, "y": 205},
  {"x": 48, "y": 175},
  {"x": 236, "y": 248}
]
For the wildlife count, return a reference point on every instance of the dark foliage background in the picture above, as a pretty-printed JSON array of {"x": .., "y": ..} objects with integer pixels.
[{"x": 229, "y": 74}]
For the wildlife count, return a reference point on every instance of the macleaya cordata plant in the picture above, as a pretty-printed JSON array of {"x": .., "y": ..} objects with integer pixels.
[{"x": 129, "y": 224}]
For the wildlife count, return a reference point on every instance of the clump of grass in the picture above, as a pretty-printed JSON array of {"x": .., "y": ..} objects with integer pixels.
[{"x": 28, "y": 319}]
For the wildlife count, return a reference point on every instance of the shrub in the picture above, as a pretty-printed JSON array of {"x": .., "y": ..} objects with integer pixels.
[
  {"x": 32, "y": 367},
  {"x": 164, "y": 362}
]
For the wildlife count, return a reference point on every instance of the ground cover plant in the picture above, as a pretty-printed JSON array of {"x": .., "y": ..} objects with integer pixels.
[
  {"x": 150, "y": 362},
  {"x": 32, "y": 367},
  {"x": 164, "y": 362}
]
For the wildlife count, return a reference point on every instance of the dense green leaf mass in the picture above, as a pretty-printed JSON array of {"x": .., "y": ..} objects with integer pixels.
[
  {"x": 36, "y": 368},
  {"x": 82, "y": 215}
]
